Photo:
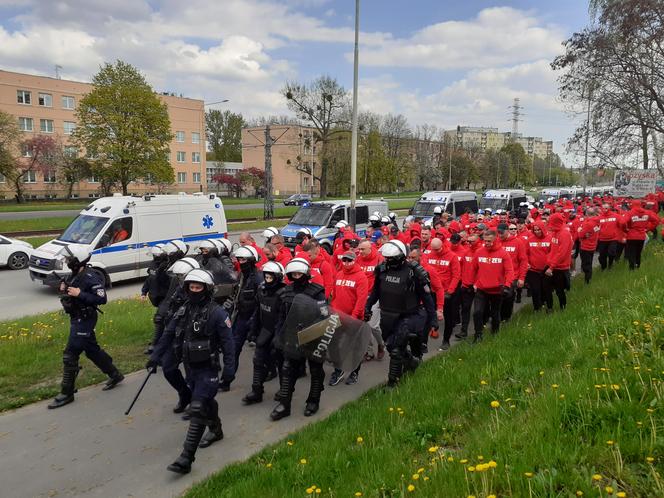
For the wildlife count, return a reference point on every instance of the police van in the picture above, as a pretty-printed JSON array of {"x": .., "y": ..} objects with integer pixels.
[
  {"x": 119, "y": 231},
  {"x": 557, "y": 193},
  {"x": 507, "y": 199},
  {"x": 455, "y": 203},
  {"x": 320, "y": 217}
]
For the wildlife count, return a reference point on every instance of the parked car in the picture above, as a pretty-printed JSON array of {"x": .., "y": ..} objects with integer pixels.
[
  {"x": 297, "y": 200},
  {"x": 14, "y": 253}
]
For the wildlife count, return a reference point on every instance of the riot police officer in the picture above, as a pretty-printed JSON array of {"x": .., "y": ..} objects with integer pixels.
[
  {"x": 156, "y": 285},
  {"x": 197, "y": 332},
  {"x": 273, "y": 282},
  {"x": 298, "y": 272},
  {"x": 224, "y": 248},
  {"x": 82, "y": 292},
  {"x": 208, "y": 257},
  {"x": 245, "y": 310},
  {"x": 406, "y": 307}
]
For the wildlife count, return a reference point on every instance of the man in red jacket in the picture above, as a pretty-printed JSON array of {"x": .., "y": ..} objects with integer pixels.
[
  {"x": 319, "y": 265},
  {"x": 437, "y": 290},
  {"x": 588, "y": 238},
  {"x": 493, "y": 273},
  {"x": 446, "y": 263},
  {"x": 609, "y": 235},
  {"x": 349, "y": 295},
  {"x": 368, "y": 259},
  {"x": 467, "y": 281},
  {"x": 538, "y": 248},
  {"x": 559, "y": 260},
  {"x": 284, "y": 255},
  {"x": 516, "y": 248},
  {"x": 638, "y": 221}
]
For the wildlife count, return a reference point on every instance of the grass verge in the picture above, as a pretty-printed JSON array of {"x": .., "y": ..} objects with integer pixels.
[
  {"x": 31, "y": 350},
  {"x": 43, "y": 206},
  {"x": 556, "y": 405},
  {"x": 36, "y": 241}
]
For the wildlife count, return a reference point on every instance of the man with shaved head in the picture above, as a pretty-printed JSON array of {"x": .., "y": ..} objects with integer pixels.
[{"x": 446, "y": 263}]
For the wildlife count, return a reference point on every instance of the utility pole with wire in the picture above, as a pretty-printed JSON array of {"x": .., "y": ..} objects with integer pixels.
[
  {"x": 268, "y": 201},
  {"x": 584, "y": 179},
  {"x": 353, "y": 146},
  {"x": 516, "y": 117}
]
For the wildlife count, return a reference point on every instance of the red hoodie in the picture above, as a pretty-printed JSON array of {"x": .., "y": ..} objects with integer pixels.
[
  {"x": 589, "y": 233},
  {"x": 467, "y": 268},
  {"x": 284, "y": 256},
  {"x": 350, "y": 291},
  {"x": 516, "y": 248},
  {"x": 324, "y": 269},
  {"x": 560, "y": 257},
  {"x": 492, "y": 268},
  {"x": 538, "y": 249},
  {"x": 609, "y": 226},
  {"x": 436, "y": 284},
  {"x": 369, "y": 265},
  {"x": 639, "y": 221},
  {"x": 447, "y": 265},
  {"x": 343, "y": 247}
]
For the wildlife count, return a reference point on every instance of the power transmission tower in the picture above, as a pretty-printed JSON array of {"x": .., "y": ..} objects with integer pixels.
[
  {"x": 516, "y": 117},
  {"x": 268, "y": 201}
]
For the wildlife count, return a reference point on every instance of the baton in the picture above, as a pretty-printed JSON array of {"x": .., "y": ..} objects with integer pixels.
[{"x": 140, "y": 390}]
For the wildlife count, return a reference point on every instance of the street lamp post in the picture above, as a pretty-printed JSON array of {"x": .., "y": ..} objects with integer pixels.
[{"x": 353, "y": 140}]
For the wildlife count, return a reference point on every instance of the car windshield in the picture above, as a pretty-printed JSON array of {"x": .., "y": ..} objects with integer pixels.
[
  {"x": 426, "y": 208},
  {"x": 312, "y": 215},
  {"x": 493, "y": 204},
  {"x": 545, "y": 197},
  {"x": 84, "y": 229}
]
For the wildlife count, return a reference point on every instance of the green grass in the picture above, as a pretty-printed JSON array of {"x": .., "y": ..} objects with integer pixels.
[
  {"x": 41, "y": 206},
  {"x": 56, "y": 224},
  {"x": 36, "y": 241},
  {"x": 31, "y": 350},
  {"x": 580, "y": 394}
]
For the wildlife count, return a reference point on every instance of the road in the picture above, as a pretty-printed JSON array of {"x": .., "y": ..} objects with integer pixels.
[{"x": 19, "y": 296}]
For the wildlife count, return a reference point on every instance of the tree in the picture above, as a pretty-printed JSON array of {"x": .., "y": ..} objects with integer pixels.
[
  {"x": 323, "y": 104},
  {"x": 9, "y": 144},
  {"x": 224, "y": 134},
  {"x": 125, "y": 127},
  {"x": 519, "y": 165},
  {"x": 40, "y": 153},
  {"x": 233, "y": 183},
  {"x": 254, "y": 178},
  {"x": 71, "y": 168}
]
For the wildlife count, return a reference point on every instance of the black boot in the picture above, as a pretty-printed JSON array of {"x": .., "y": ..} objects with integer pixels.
[
  {"x": 411, "y": 363},
  {"x": 286, "y": 386},
  {"x": 66, "y": 396},
  {"x": 256, "y": 394},
  {"x": 477, "y": 338},
  {"x": 214, "y": 434},
  {"x": 114, "y": 379},
  {"x": 183, "y": 402},
  {"x": 395, "y": 370},
  {"x": 317, "y": 386},
  {"x": 182, "y": 465}
]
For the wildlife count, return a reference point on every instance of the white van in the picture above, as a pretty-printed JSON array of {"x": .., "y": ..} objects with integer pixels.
[
  {"x": 454, "y": 203},
  {"x": 119, "y": 230},
  {"x": 507, "y": 199},
  {"x": 320, "y": 218}
]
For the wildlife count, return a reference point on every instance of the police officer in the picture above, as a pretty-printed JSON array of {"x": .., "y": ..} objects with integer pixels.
[
  {"x": 208, "y": 257},
  {"x": 265, "y": 319},
  {"x": 245, "y": 311},
  {"x": 82, "y": 292},
  {"x": 156, "y": 285},
  {"x": 406, "y": 307},
  {"x": 298, "y": 272},
  {"x": 224, "y": 248},
  {"x": 393, "y": 220},
  {"x": 175, "y": 249},
  {"x": 437, "y": 215},
  {"x": 197, "y": 332}
]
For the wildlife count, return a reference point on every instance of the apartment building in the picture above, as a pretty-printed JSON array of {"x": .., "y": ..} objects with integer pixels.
[
  {"x": 44, "y": 105},
  {"x": 468, "y": 137},
  {"x": 293, "y": 151}
]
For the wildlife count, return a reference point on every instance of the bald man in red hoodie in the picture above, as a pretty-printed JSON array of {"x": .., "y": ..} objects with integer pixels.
[
  {"x": 516, "y": 248},
  {"x": 559, "y": 260},
  {"x": 446, "y": 263}
]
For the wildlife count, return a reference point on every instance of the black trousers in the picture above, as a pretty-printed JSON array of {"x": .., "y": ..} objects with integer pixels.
[
  {"x": 587, "y": 264},
  {"x": 538, "y": 291},
  {"x": 487, "y": 302},
  {"x": 507, "y": 304},
  {"x": 558, "y": 283},
  {"x": 607, "y": 250},
  {"x": 620, "y": 248},
  {"x": 633, "y": 250},
  {"x": 451, "y": 313},
  {"x": 467, "y": 297}
]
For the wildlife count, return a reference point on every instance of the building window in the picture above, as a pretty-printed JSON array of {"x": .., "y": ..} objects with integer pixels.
[
  {"x": 182, "y": 177},
  {"x": 46, "y": 125},
  {"x": 69, "y": 127},
  {"x": 24, "y": 97},
  {"x": 50, "y": 196},
  {"x": 26, "y": 150},
  {"x": 195, "y": 157},
  {"x": 25, "y": 124},
  {"x": 49, "y": 176},
  {"x": 30, "y": 177},
  {"x": 195, "y": 137},
  {"x": 67, "y": 102},
  {"x": 74, "y": 196},
  {"x": 93, "y": 196},
  {"x": 197, "y": 177},
  {"x": 70, "y": 151},
  {"x": 2, "y": 178},
  {"x": 181, "y": 156},
  {"x": 93, "y": 179},
  {"x": 179, "y": 136},
  {"x": 46, "y": 100}
]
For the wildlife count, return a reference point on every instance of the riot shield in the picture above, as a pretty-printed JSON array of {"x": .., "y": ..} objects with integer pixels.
[{"x": 318, "y": 332}]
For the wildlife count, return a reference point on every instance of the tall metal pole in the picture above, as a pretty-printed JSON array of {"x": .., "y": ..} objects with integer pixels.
[
  {"x": 584, "y": 180},
  {"x": 353, "y": 140},
  {"x": 268, "y": 202},
  {"x": 449, "y": 176}
]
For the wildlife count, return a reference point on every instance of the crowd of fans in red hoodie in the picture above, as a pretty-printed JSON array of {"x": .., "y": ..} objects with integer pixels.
[{"x": 477, "y": 264}]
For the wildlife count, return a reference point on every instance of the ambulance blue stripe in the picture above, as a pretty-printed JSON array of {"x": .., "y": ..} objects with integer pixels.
[{"x": 126, "y": 247}]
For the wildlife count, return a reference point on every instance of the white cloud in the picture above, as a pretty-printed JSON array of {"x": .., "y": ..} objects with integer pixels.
[{"x": 495, "y": 37}]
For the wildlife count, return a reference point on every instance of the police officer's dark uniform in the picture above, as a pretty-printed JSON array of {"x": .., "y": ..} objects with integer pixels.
[
  {"x": 156, "y": 285},
  {"x": 264, "y": 326},
  {"x": 83, "y": 291},
  {"x": 406, "y": 307},
  {"x": 197, "y": 332},
  {"x": 293, "y": 363}
]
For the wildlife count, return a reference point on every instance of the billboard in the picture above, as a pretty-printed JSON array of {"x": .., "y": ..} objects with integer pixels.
[{"x": 635, "y": 183}]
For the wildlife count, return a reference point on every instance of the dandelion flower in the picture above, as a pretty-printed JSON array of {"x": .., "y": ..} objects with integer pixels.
[
  {"x": 554, "y": 386},
  {"x": 492, "y": 464},
  {"x": 491, "y": 496},
  {"x": 360, "y": 439},
  {"x": 289, "y": 443},
  {"x": 597, "y": 477},
  {"x": 268, "y": 465},
  {"x": 579, "y": 493},
  {"x": 609, "y": 442},
  {"x": 411, "y": 488},
  {"x": 433, "y": 449},
  {"x": 528, "y": 474},
  {"x": 358, "y": 493},
  {"x": 615, "y": 387},
  {"x": 303, "y": 461},
  {"x": 415, "y": 477},
  {"x": 483, "y": 382},
  {"x": 650, "y": 459},
  {"x": 609, "y": 490},
  {"x": 495, "y": 404},
  {"x": 471, "y": 469},
  {"x": 420, "y": 470},
  {"x": 318, "y": 491},
  {"x": 621, "y": 494},
  {"x": 310, "y": 490},
  {"x": 464, "y": 461}
]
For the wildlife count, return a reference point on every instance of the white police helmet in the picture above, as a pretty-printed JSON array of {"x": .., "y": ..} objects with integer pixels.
[
  {"x": 270, "y": 232},
  {"x": 174, "y": 246},
  {"x": 209, "y": 245},
  {"x": 394, "y": 249},
  {"x": 393, "y": 216},
  {"x": 224, "y": 246},
  {"x": 375, "y": 218},
  {"x": 273, "y": 267},
  {"x": 385, "y": 220},
  {"x": 341, "y": 224},
  {"x": 304, "y": 232},
  {"x": 299, "y": 265},
  {"x": 157, "y": 250},
  {"x": 183, "y": 266},
  {"x": 200, "y": 276},
  {"x": 246, "y": 252},
  {"x": 438, "y": 210},
  {"x": 76, "y": 252},
  {"x": 428, "y": 224}
]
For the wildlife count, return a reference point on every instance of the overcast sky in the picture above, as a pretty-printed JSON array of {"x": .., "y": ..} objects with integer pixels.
[{"x": 441, "y": 62}]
